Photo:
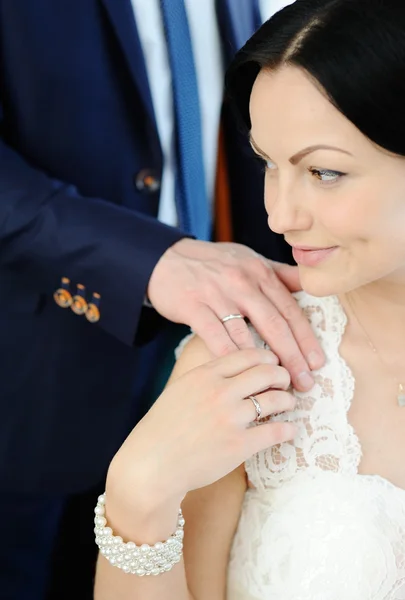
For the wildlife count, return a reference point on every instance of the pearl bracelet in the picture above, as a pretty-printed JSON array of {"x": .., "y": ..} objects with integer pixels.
[{"x": 138, "y": 560}]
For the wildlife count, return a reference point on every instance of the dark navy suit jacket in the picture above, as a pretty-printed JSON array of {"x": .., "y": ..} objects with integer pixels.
[{"x": 80, "y": 163}]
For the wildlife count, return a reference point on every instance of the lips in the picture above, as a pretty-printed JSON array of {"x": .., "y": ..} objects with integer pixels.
[{"x": 310, "y": 257}]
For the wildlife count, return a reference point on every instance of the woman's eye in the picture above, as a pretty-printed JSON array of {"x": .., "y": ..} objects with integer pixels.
[{"x": 326, "y": 175}]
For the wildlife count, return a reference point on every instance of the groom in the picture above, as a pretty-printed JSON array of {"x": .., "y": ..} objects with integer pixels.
[{"x": 90, "y": 225}]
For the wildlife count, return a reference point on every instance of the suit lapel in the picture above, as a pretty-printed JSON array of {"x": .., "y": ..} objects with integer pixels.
[
  {"x": 238, "y": 20},
  {"x": 122, "y": 18}
]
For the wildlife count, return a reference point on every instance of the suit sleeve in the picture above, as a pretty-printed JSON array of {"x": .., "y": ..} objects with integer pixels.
[{"x": 49, "y": 231}]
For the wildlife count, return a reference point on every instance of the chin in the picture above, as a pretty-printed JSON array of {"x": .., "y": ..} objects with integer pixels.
[{"x": 316, "y": 282}]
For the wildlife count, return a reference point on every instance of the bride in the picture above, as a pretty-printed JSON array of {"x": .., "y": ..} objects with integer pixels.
[{"x": 287, "y": 495}]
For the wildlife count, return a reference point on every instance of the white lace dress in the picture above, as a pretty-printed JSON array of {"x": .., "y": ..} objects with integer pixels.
[{"x": 314, "y": 528}]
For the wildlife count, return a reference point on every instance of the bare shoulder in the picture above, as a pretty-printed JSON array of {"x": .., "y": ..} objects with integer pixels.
[{"x": 192, "y": 353}]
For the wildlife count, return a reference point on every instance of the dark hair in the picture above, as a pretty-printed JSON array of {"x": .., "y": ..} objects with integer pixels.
[{"x": 354, "y": 49}]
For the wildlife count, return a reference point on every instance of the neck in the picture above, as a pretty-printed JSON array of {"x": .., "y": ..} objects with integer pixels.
[
  {"x": 380, "y": 308},
  {"x": 376, "y": 318}
]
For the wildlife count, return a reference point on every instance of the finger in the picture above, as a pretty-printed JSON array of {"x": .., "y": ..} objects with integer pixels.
[
  {"x": 298, "y": 323},
  {"x": 271, "y": 402},
  {"x": 268, "y": 434},
  {"x": 275, "y": 330},
  {"x": 287, "y": 274},
  {"x": 239, "y": 333},
  {"x": 279, "y": 293},
  {"x": 237, "y": 327},
  {"x": 243, "y": 360},
  {"x": 208, "y": 327},
  {"x": 258, "y": 379},
  {"x": 277, "y": 284}
]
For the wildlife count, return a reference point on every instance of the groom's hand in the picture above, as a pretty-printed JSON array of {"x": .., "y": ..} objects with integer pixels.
[{"x": 200, "y": 283}]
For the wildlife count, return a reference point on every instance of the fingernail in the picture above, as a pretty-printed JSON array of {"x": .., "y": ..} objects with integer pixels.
[
  {"x": 305, "y": 380},
  {"x": 315, "y": 360}
]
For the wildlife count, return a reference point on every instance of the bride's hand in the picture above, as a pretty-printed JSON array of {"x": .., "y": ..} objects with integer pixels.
[{"x": 199, "y": 429}]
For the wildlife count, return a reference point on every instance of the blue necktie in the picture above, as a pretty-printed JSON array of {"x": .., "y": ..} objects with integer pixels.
[{"x": 191, "y": 193}]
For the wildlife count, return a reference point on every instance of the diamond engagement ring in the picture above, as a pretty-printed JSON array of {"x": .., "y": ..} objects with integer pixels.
[
  {"x": 230, "y": 317},
  {"x": 257, "y": 406}
]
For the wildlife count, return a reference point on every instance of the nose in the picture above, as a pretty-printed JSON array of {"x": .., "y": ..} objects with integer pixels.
[{"x": 285, "y": 207}]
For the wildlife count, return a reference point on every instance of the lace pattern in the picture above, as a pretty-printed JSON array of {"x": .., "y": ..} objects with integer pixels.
[
  {"x": 329, "y": 537},
  {"x": 313, "y": 528},
  {"x": 325, "y": 440}
]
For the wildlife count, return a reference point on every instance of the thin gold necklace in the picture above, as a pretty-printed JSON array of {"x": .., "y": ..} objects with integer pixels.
[{"x": 400, "y": 386}]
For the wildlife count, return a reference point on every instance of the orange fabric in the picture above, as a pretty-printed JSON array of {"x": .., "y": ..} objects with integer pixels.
[{"x": 222, "y": 212}]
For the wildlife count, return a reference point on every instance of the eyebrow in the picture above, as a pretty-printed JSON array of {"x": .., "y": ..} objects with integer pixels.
[{"x": 294, "y": 160}]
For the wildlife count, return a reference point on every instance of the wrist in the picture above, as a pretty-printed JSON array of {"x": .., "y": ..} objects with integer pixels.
[
  {"x": 140, "y": 512},
  {"x": 151, "y": 479},
  {"x": 139, "y": 522}
]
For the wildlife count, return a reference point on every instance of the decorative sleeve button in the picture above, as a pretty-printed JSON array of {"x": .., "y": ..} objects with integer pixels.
[
  {"x": 147, "y": 181},
  {"x": 62, "y": 295},
  {"x": 79, "y": 304},
  {"x": 93, "y": 309}
]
